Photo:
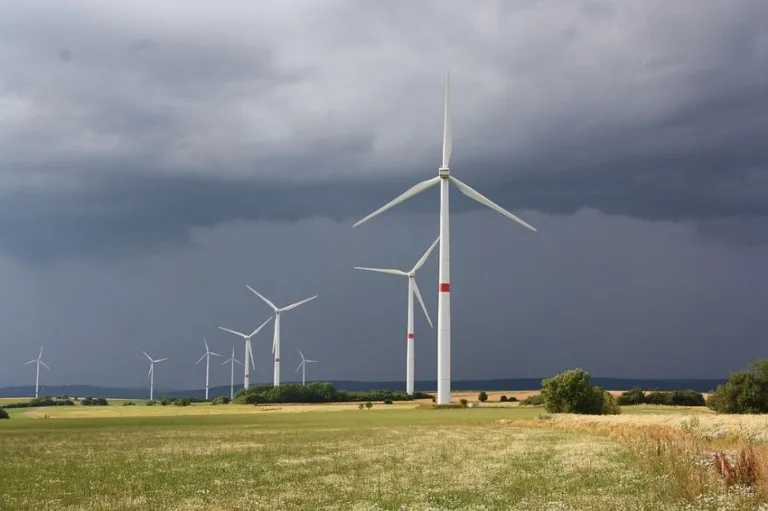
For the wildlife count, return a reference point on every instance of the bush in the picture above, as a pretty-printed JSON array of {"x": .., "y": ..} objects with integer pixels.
[
  {"x": 94, "y": 401},
  {"x": 610, "y": 406},
  {"x": 369, "y": 405},
  {"x": 535, "y": 400},
  {"x": 573, "y": 392},
  {"x": 463, "y": 402},
  {"x": 482, "y": 396},
  {"x": 503, "y": 399},
  {"x": 636, "y": 396},
  {"x": 361, "y": 406},
  {"x": 4, "y": 414},
  {"x": 318, "y": 392},
  {"x": 512, "y": 399},
  {"x": 744, "y": 392},
  {"x": 182, "y": 401},
  {"x": 387, "y": 401},
  {"x": 221, "y": 400},
  {"x": 151, "y": 402},
  {"x": 165, "y": 401},
  {"x": 129, "y": 403}
]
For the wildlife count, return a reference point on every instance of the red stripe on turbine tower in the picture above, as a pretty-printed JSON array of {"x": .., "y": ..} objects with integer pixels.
[
  {"x": 277, "y": 360},
  {"x": 411, "y": 336},
  {"x": 445, "y": 287}
]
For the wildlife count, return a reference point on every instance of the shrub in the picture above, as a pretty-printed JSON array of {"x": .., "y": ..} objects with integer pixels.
[
  {"x": 387, "y": 401},
  {"x": 151, "y": 402},
  {"x": 636, "y": 396},
  {"x": 535, "y": 400},
  {"x": 361, "y": 406},
  {"x": 165, "y": 401},
  {"x": 482, "y": 396},
  {"x": 610, "y": 406},
  {"x": 4, "y": 414},
  {"x": 573, "y": 392},
  {"x": 129, "y": 403},
  {"x": 463, "y": 402},
  {"x": 503, "y": 399},
  {"x": 94, "y": 401},
  {"x": 744, "y": 392},
  {"x": 182, "y": 401},
  {"x": 221, "y": 400},
  {"x": 369, "y": 405},
  {"x": 512, "y": 399}
]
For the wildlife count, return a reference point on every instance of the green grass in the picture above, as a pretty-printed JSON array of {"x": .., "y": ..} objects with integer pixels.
[{"x": 385, "y": 458}]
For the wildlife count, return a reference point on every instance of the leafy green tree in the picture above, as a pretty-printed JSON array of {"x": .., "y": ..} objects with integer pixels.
[
  {"x": 482, "y": 396},
  {"x": 745, "y": 391},
  {"x": 369, "y": 405},
  {"x": 4, "y": 414},
  {"x": 635, "y": 396},
  {"x": 573, "y": 392}
]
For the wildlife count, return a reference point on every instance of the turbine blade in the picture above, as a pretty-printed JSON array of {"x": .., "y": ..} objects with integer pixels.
[
  {"x": 294, "y": 305},
  {"x": 238, "y": 362},
  {"x": 214, "y": 354},
  {"x": 297, "y": 369},
  {"x": 447, "y": 136},
  {"x": 421, "y": 301},
  {"x": 45, "y": 365},
  {"x": 310, "y": 361},
  {"x": 145, "y": 354},
  {"x": 411, "y": 192},
  {"x": 201, "y": 359},
  {"x": 30, "y": 362},
  {"x": 301, "y": 354},
  {"x": 475, "y": 195},
  {"x": 41, "y": 353},
  {"x": 250, "y": 355},
  {"x": 206, "y": 345},
  {"x": 227, "y": 361},
  {"x": 262, "y": 297},
  {"x": 426, "y": 255},
  {"x": 383, "y": 270},
  {"x": 161, "y": 360},
  {"x": 233, "y": 332},
  {"x": 260, "y": 327},
  {"x": 151, "y": 366}
]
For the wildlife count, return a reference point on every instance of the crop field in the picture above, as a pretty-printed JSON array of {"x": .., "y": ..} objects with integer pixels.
[{"x": 339, "y": 457}]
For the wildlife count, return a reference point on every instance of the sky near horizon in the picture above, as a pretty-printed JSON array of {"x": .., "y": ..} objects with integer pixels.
[{"x": 156, "y": 157}]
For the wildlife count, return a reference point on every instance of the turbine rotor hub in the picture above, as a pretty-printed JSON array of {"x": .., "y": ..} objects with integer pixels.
[{"x": 444, "y": 172}]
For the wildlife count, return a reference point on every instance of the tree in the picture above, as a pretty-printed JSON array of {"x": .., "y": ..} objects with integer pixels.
[
  {"x": 636, "y": 396},
  {"x": 503, "y": 399},
  {"x": 4, "y": 414},
  {"x": 745, "y": 391},
  {"x": 369, "y": 405},
  {"x": 482, "y": 396},
  {"x": 573, "y": 392}
]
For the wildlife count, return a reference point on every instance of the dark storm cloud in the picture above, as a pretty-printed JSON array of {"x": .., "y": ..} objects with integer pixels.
[{"x": 168, "y": 122}]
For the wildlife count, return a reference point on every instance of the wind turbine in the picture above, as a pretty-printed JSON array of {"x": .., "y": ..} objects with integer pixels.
[
  {"x": 413, "y": 289},
  {"x": 276, "y": 337},
  {"x": 39, "y": 361},
  {"x": 151, "y": 374},
  {"x": 248, "y": 350},
  {"x": 207, "y": 357},
  {"x": 444, "y": 177},
  {"x": 232, "y": 373},
  {"x": 303, "y": 367}
]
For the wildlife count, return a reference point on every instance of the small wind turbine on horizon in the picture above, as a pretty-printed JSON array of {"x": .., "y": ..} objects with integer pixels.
[
  {"x": 151, "y": 374},
  {"x": 444, "y": 177},
  {"x": 232, "y": 361},
  {"x": 303, "y": 367},
  {"x": 248, "y": 350},
  {"x": 413, "y": 289},
  {"x": 276, "y": 335},
  {"x": 39, "y": 361},
  {"x": 207, "y": 357}
]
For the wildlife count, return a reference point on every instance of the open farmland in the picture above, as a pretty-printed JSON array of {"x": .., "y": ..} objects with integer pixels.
[{"x": 332, "y": 457}]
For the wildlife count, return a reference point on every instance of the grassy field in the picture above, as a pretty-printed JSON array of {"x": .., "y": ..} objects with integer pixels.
[{"x": 330, "y": 457}]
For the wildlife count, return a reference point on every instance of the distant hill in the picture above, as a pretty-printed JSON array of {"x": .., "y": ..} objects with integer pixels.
[{"x": 701, "y": 385}]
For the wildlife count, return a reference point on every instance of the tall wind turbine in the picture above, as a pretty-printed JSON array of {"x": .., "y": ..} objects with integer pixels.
[
  {"x": 303, "y": 367},
  {"x": 39, "y": 361},
  {"x": 444, "y": 177},
  {"x": 248, "y": 350},
  {"x": 413, "y": 289},
  {"x": 276, "y": 336},
  {"x": 151, "y": 374},
  {"x": 232, "y": 361},
  {"x": 207, "y": 357}
]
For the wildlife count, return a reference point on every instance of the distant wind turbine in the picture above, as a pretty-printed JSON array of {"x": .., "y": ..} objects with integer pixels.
[
  {"x": 207, "y": 357},
  {"x": 413, "y": 289},
  {"x": 39, "y": 361},
  {"x": 276, "y": 336},
  {"x": 151, "y": 374},
  {"x": 232, "y": 361},
  {"x": 444, "y": 177},
  {"x": 303, "y": 367},
  {"x": 248, "y": 350}
]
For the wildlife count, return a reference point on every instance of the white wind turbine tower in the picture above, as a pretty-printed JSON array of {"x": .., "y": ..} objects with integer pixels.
[
  {"x": 444, "y": 177},
  {"x": 207, "y": 357},
  {"x": 151, "y": 374},
  {"x": 232, "y": 361},
  {"x": 39, "y": 361},
  {"x": 276, "y": 337},
  {"x": 303, "y": 367},
  {"x": 248, "y": 350},
  {"x": 413, "y": 289}
]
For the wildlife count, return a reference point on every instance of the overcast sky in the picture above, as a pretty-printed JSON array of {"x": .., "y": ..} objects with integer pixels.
[{"x": 156, "y": 157}]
